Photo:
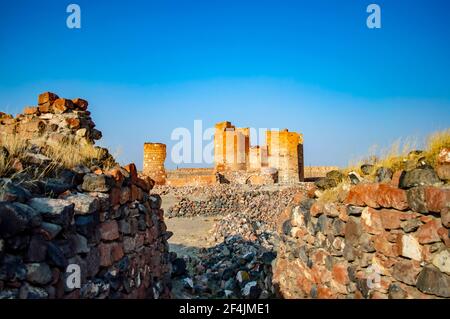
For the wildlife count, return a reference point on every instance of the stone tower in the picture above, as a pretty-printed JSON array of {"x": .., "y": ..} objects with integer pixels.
[
  {"x": 154, "y": 158},
  {"x": 285, "y": 153},
  {"x": 231, "y": 147}
]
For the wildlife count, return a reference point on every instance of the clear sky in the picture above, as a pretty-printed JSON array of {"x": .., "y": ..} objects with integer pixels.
[{"x": 147, "y": 67}]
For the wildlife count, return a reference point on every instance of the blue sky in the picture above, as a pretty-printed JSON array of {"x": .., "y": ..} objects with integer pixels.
[{"x": 147, "y": 67}]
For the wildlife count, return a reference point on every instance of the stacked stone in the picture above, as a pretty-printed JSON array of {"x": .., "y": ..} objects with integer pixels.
[
  {"x": 385, "y": 240},
  {"x": 54, "y": 119},
  {"x": 106, "y": 223},
  {"x": 259, "y": 203}
]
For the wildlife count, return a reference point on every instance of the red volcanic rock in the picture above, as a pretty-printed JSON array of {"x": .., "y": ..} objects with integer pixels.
[
  {"x": 377, "y": 195},
  {"x": 31, "y": 110},
  {"x": 444, "y": 233},
  {"x": 145, "y": 183},
  {"x": 391, "y": 197},
  {"x": 47, "y": 97},
  {"x": 131, "y": 168},
  {"x": 73, "y": 122},
  {"x": 382, "y": 245},
  {"x": 390, "y": 218},
  {"x": 340, "y": 274},
  {"x": 45, "y": 108},
  {"x": 428, "y": 233},
  {"x": 80, "y": 104},
  {"x": 136, "y": 193},
  {"x": 116, "y": 175},
  {"x": 362, "y": 195},
  {"x": 109, "y": 230},
  {"x": 117, "y": 251},
  {"x": 115, "y": 196},
  {"x": 62, "y": 105},
  {"x": 316, "y": 209},
  {"x": 437, "y": 199}
]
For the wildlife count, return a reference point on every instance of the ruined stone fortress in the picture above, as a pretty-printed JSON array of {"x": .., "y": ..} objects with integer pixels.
[{"x": 235, "y": 161}]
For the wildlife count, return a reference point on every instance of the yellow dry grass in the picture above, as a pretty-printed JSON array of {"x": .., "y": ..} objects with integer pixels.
[
  {"x": 67, "y": 154},
  {"x": 399, "y": 154},
  {"x": 435, "y": 143},
  {"x": 335, "y": 194}
]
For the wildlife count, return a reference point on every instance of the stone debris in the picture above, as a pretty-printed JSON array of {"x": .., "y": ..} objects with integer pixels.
[{"x": 235, "y": 268}]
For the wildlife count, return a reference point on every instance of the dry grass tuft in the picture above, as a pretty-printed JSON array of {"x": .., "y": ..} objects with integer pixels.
[
  {"x": 65, "y": 154},
  {"x": 335, "y": 194},
  {"x": 399, "y": 154},
  {"x": 435, "y": 143}
]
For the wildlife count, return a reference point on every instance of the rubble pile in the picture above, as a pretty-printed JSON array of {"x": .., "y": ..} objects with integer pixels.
[
  {"x": 256, "y": 202},
  {"x": 235, "y": 268},
  {"x": 240, "y": 263}
]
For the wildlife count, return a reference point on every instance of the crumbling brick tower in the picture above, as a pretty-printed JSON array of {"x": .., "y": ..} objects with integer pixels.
[
  {"x": 154, "y": 158},
  {"x": 231, "y": 147},
  {"x": 285, "y": 153}
]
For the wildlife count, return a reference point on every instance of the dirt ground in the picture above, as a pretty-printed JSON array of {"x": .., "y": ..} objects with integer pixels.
[{"x": 189, "y": 233}]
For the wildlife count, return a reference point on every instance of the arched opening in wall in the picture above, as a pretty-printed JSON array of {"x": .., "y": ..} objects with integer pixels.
[{"x": 255, "y": 180}]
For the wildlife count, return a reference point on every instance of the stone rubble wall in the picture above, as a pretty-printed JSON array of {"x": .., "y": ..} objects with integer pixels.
[
  {"x": 191, "y": 177},
  {"x": 318, "y": 171},
  {"x": 103, "y": 220},
  {"x": 384, "y": 240},
  {"x": 258, "y": 203}
]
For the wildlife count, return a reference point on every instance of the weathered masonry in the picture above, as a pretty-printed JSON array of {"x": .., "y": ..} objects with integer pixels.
[{"x": 235, "y": 161}]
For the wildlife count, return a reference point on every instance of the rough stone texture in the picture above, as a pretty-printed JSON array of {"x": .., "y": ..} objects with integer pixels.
[
  {"x": 432, "y": 281},
  {"x": 54, "y": 119},
  {"x": 378, "y": 249},
  {"x": 72, "y": 216},
  {"x": 419, "y": 177}
]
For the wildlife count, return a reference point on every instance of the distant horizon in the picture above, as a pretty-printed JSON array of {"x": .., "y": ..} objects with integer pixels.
[{"x": 312, "y": 67}]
